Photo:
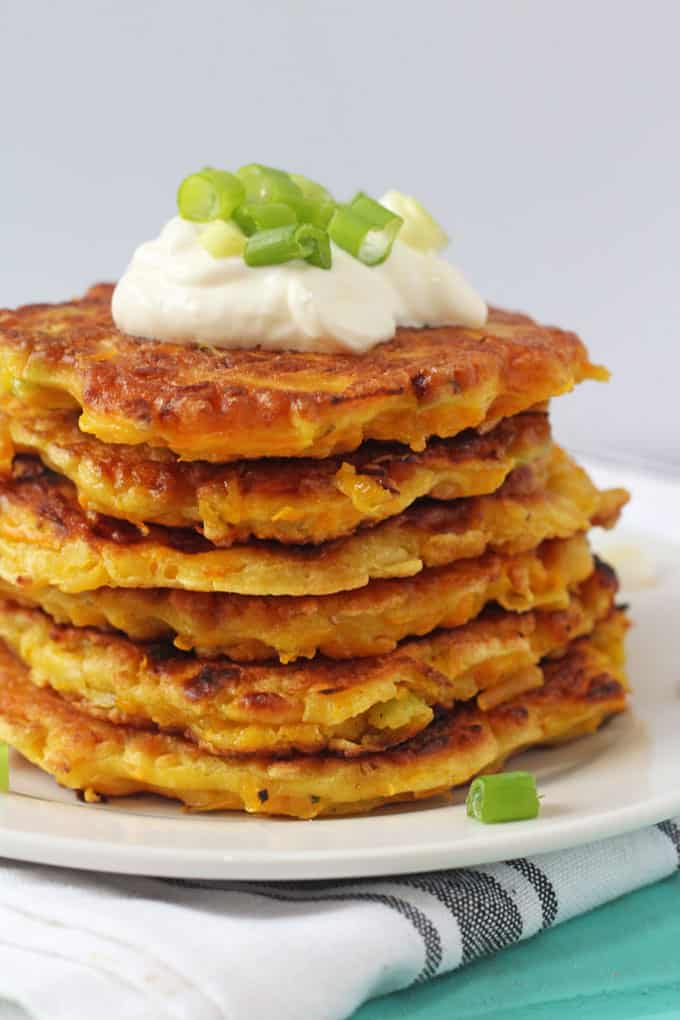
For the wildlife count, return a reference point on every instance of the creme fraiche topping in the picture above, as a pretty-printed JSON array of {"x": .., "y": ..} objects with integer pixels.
[{"x": 263, "y": 258}]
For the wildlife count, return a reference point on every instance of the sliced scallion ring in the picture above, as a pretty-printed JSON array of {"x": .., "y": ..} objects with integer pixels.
[
  {"x": 4, "y": 768},
  {"x": 283, "y": 244},
  {"x": 311, "y": 189},
  {"x": 319, "y": 205},
  {"x": 209, "y": 195},
  {"x": 503, "y": 797},
  {"x": 373, "y": 212},
  {"x": 268, "y": 184},
  {"x": 307, "y": 235},
  {"x": 222, "y": 239},
  {"x": 273, "y": 247},
  {"x": 365, "y": 233},
  {"x": 254, "y": 216},
  {"x": 420, "y": 230},
  {"x": 319, "y": 214}
]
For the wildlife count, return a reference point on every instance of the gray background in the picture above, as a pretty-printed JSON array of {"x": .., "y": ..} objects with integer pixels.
[{"x": 544, "y": 135}]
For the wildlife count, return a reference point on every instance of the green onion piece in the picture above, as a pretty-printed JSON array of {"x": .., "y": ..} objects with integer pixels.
[
  {"x": 322, "y": 214},
  {"x": 4, "y": 768},
  {"x": 319, "y": 214},
  {"x": 373, "y": 212},
  {"x": 503, "y": 797},
  {"x": 420, "y": 230},
  {"x": 272, "y": 247},
  {"x": 282, "y": 244},
  {"x": 316, "y": 238},
  {"x": 267, "y": 184},
  {"x": 312, "y": 189},
  {"x": 347, "y": 230},
  {"x": 318, "y": 206},
  {"x": 254, "y": 216},
  {"x": 209, "y": 195},
  {"x": 367, "y": 240},
  {"x": 222, "y": 239}
]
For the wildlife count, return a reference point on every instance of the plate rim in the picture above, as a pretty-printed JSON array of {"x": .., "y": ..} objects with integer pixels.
[{"x": 133, "y": 859}]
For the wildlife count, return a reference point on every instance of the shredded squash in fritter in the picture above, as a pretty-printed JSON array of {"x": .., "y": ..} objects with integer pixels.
[
  {"x": 45, "y": 535},
  {"x": 579, "y": 691},
  {"x": 352, "y": 707},
  {"x": 292, "y": 501},
  {"x": 369, "y": 621}
]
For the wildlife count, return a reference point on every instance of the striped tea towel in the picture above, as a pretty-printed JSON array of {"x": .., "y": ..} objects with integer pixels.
[{"x": 76, "y": 945}]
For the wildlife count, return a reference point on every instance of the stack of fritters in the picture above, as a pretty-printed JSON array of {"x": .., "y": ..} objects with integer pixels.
[{"x": 294, "y": 583}]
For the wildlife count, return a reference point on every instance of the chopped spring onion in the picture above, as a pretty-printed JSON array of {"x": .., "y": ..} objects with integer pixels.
[
  {"x": 4, "y": 768},
  {"x": 373, "y": 212},
  {"x": 222, "y": 239},
  {"x": 254, "y": 216},
  {"x": 348, "y": 230},
  {"x": 420, "y": 230},
  {"x": 272, "y": 247},
  {"x": 319, "y": 243},
  {"x": 311, "y": 202},
  {"x": 319, "y": 205},
  {"x": 271, "y": 207},
  {"x": 503, "y": 797},
  {"x": 267, "y": 184},
  {"x": 319, "y": 214},
  {"x": 365, "y": 229},
  {"x": 282, "y": 244},
  {"x": 311, "y": 189},
  {"x": 209, "y": 195}
]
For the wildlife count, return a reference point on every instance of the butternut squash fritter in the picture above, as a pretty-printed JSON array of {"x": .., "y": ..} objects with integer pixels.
[
  {"x": 44, "y": 534},
  {"x": 368, "y": 621},
  {"x": 579, "y": 691},
  {"x": 215, "y": 405},
  {"x": 292, "y": 501},
  {"x": 353, "y": 707}
]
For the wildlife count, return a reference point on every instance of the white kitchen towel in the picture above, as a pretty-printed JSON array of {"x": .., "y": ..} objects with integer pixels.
[{"x": 77, "y": 945}]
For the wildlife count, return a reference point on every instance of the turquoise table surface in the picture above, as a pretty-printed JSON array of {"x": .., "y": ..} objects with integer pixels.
[{"x": 620, "y": 962}]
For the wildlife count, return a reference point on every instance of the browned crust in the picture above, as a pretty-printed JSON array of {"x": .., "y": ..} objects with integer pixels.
[
  {"x": 367, "y": 621},
  {"x": 581, "y": 689},
  {"x": 349, "y": 706},
  {"x": 45, "y": 534},
  {"x": 292, "y": 501},
  {"x": 217, "y": 405}
]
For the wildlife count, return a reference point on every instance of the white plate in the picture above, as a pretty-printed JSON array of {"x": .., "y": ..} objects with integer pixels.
[{"x": 626, "y": 776}]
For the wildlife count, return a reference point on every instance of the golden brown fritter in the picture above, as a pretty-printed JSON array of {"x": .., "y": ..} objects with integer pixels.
[
  {"x": 45, "y": 535},
  {"x": 368, "y": 621},
  {"x": 292, "y": 501},
  {"x": 209, "y": 404},
  {"x": 354, "y": 706},
  {"x": 580, "y": 690}
]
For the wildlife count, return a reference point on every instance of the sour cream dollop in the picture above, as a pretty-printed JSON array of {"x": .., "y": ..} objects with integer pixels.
[{"x": 175, "y": 290}]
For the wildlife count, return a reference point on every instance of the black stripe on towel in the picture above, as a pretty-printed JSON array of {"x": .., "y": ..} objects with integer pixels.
[
  {"x": 488, "y": 917},
  {"x": 671, "y": 830},
  {"x": 545, "y": 890}
]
